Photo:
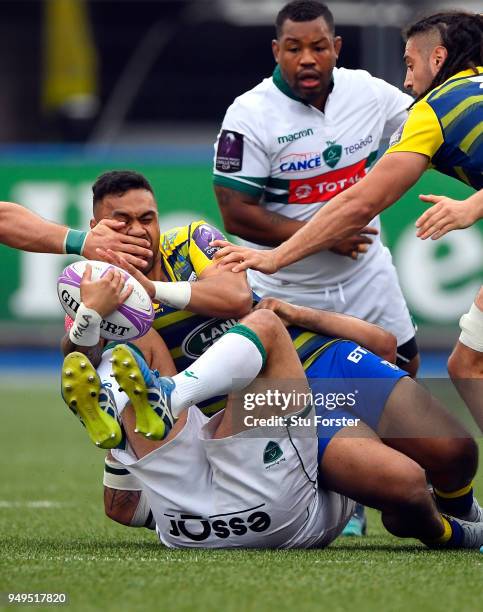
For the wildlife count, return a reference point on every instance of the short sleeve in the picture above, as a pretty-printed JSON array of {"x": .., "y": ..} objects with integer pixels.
[
  {"x": 241, "y": 160},
  {"x": 421, "y": 133},
  {"x": 200, "y": 252},
  {"x": 393, "y": 103}
]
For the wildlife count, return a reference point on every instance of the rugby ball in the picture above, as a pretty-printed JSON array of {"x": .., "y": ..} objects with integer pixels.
[{"x": 131, "y": 320}]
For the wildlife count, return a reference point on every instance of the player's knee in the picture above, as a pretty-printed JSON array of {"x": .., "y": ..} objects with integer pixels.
[
  {"x": 461, "y": 457},
  {"x": 265, "y": 323},
  {"x": 407, "y": 488}
]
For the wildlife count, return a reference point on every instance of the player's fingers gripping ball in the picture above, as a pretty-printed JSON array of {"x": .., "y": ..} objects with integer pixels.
[{"x": 132, "y": 319}]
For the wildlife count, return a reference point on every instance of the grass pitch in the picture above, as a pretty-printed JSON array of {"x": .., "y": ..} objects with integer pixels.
[{"x": 55, "y": 538}]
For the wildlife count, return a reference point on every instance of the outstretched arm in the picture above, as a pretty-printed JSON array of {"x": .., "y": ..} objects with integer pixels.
[
  {"x": 343, "y": 216},
  {"x": 22, "y": 229},
  {"x": 373, "y": 337}
]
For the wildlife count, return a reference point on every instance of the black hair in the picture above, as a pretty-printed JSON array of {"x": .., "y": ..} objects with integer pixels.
[
  {"x": 461, "y": 34},
  {"x": 304, "y": 10},
  {"x": 117, "y": 182}
]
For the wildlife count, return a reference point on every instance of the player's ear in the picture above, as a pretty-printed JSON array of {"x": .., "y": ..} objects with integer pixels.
[
  {"x": 92, "y": 223},
  {"x": 275, "y": 49},
  {"x": 337, "y": 45},
  {"x": 439, "y": 56}
]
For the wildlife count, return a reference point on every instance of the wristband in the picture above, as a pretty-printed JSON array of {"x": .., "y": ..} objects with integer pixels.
[
  {"x": 74, "y": 242},
  {"x": 177, "y": 295},
  {"x": 116, "y": 476},
  {"x": 86, "y": 330}
]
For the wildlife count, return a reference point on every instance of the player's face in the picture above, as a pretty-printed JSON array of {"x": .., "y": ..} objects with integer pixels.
[
  {"x": 307, "y": 53},
  {"x": 423, "y": 62},
  {"x": 138, "y": 210}
]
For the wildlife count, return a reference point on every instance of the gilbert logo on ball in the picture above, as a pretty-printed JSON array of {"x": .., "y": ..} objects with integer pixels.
[{"x": 131, "y": 320}]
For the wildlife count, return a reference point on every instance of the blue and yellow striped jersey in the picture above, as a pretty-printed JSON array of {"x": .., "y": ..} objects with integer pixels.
[
  {"x": 447, "y": 127},
  {"x": 185, "y": 254}
]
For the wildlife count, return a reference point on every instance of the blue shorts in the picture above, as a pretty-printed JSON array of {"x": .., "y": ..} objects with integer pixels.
[{"x": 349, "y": 384}]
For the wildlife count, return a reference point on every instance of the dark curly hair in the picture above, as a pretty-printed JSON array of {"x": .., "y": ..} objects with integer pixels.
[
  {"x": 117, "y": 182},
  {"x": 304, "y": 10},
  {"x": 461, "y": 34}
]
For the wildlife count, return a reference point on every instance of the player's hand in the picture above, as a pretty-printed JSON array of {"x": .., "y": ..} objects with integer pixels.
[
  {"x": 444, "y": 216},
  {"x": 122, "y": 262},
  {"x": 279, "y": 307},
  {"x": 355, "y": 245},
  {"x": 106, "y": 294},
  {"x": 107, "y": 235},
  {"x": 238, "y": 258}
]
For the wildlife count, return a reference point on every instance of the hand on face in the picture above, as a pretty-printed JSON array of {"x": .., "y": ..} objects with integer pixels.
[{"x": 107, "y": 234}]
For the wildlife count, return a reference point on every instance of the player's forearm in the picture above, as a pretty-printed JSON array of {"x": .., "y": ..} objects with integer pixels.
[
  {"x": 373, "y": 337},
  {"x": 214, "y": 297},
  {"x": 120, "y": 506},
  {"x": 244, "y": 217},
  {"x": 263, "y": 227},
  {"x": 338, "y": 220},
  {"x": 93, "y": 353},
  {"x": 22, "y": 229}
]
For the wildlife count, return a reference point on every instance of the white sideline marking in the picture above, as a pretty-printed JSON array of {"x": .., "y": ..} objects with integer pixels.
[{"x": 45, "y": 503}]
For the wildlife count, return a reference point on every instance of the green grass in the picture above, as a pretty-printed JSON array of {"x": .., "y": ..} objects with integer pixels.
[{"x": 71, "y": 547}]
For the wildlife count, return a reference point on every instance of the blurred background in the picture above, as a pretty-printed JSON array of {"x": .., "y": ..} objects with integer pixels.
[{"x": 92, "y": 85}]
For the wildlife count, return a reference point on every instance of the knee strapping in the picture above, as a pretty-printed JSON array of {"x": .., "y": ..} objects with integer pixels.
[{"x": 471, "y": 325}]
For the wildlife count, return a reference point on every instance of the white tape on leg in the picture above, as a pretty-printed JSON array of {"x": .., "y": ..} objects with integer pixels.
[{"x": 471, "y": 325}]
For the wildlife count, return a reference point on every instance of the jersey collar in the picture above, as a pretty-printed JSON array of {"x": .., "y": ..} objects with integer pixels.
[
  {"x": 284, "y": 87},
  {"x": 466, "y": 73}
]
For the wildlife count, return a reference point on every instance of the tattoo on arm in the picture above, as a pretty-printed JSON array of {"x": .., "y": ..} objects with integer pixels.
[{"x": 121, "y": 505}]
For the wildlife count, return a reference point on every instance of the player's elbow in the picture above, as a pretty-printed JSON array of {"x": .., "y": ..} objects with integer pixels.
[
  {"x": 387, "y": 346},
  {"x": 233, "y": 225},
  {"x": 238, "y": 303}
]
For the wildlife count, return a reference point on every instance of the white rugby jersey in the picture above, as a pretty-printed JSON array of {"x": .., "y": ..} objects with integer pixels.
[{"x": 295, "y": 158}]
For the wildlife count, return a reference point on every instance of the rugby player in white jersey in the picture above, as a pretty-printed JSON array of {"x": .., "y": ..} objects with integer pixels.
[
  {"x": 291, "y": 144},
  {"x": 228, "y": 481}
]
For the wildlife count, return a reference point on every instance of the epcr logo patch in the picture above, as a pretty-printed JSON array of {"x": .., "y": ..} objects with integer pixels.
[{"x": 229, "y": 155}]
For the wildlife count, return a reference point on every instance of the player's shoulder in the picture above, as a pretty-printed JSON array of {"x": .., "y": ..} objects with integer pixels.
[
  {"x": 254, "y": 98},
  {"x": 349, "y": 76},
  {"x": 367, "y": 84},
  {"x": 174, "y": 238}
]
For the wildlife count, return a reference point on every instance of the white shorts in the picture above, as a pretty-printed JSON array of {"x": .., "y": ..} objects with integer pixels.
[
  {"x": 373, "y": 295},
  {"x": 238, "y": 492}
]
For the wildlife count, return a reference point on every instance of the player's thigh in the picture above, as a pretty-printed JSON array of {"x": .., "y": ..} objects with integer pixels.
[
  {"x": 417, "y": 424},
  {"x": 348, "y": 380},
  {"x": 156, "y": 353},
  {"x": 358, "y": 465}
]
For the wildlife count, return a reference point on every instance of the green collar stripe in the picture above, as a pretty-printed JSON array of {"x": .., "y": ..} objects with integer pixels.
[{"x": 284, "y": 87}]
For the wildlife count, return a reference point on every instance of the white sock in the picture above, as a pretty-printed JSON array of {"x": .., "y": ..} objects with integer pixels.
[
  {"x": 105, "y": 374},
  {"x": 229, "y": 365}
]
